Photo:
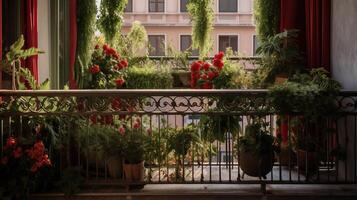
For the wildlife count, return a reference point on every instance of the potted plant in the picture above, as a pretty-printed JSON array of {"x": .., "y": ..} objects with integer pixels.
[
  {"x": 134, "y": 150},
  {"x": 256, "y": 149}
]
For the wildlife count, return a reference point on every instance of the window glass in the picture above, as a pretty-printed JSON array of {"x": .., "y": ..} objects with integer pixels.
[
  {"x": 129, "y": 6},
  {"x": 156, "y": 5},
  {"x": 228, "y": 6},
  {"x": 186, "y": 44},
  {"x": 183, "y": 5},
  {"x": 157, "y": 45},
  {"x": 226, "y": 41},
  {"x": 255, "y": 44}
]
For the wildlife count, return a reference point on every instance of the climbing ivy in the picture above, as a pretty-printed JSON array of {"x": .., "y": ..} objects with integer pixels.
[
  {"x": 111, "y": 18},
  {"x": 267, "y": 16},
  {"x": 86, "y": 17},
  {"x": 202, "y": 17}
]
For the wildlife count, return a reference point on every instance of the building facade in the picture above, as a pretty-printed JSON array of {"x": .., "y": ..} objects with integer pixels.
[{"x": 168, "y": 24}]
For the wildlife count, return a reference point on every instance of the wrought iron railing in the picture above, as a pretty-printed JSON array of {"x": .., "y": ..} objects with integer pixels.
[{"x": 207, "y": 158}]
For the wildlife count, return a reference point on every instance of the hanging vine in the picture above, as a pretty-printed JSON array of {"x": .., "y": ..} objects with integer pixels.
[
  {"x": 86, "y": 17},
  {"x": 111, "y": 18},
  {"x": 267, "y": 16},
  {"x": 202, "y": 17}
]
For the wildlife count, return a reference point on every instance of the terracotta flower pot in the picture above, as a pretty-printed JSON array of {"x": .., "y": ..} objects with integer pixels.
[
  {"x": 307, "y": 161},
  {"x": 280, "y": 79},
  {"x": 134, "y": 172},
  {"x": 115, "y": 167},
  {"x": 256, "y": 165}
]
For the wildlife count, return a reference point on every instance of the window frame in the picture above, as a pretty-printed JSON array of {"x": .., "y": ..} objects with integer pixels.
[
  {"x": 228, "y": 34},
  {"x": 180, "y": 7},
  {"x": 253, "y": 44},
  {"x": 132, "y": 7},
  {"x": 157, "y": 3},
  {"x": 219, "y": 7},
  {"x": 194, "y": 52},
  {"x": 165, "y": 45}
]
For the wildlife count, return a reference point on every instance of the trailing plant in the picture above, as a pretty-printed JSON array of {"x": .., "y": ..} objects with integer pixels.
[
  {"x": 111, "y": 18},
  {"x": 134, "y": 146},
  {"x": 86, "y": 17},
  {"x": 149, "y": 77},
  {"x": 202, "y": 17},
  {"x": 267, "y": 17}
]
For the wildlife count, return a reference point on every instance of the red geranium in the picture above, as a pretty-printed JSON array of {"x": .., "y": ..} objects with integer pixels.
[
  {"x": 95, "y": 69},
  {"x": 119, "y": 82}
]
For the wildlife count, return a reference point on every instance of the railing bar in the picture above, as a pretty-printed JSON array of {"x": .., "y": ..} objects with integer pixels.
[
  {"x": 219, "y": 151},
  {"x": 338, "y": 144},
  {"x": 2, "y": 137},
  {"x": 346, "y": 147},
  {"x": 87, "y": 159},
  {"x": 271, "y": 124},
  {"x": 355, "y": 147},
  {"x": 328, "y": 149},
  {"x": 150, "y": 158},
  {"x": 166, "y": 147},
  {"x": 229, "y": 135},
  {"x": 183, "y": 156},
  {"x": 159, "y": 125},
  {"x": 289, "y": 149}
]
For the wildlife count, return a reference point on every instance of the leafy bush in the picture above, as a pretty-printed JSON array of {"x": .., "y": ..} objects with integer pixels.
[
  {"x": 267, "y": 16},
  {"x": 149, "y": 77},
  {"x": 134, "y": 146}
]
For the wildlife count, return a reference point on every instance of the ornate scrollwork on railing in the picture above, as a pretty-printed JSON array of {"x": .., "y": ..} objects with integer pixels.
[{"x": 146, "y": 102}]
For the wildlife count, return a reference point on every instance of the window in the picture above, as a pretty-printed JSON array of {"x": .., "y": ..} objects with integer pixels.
[
  {"x": 183, "y": 5},
  {"x": 156, "y": 5},
  {"x": 157, "y": 45},
  {"x": 228, "y": 5},
  {"x": 255, "y": 44},
  {"x": 186, "y": 44},
  {"x": 226, "y": 41},
  {"x": 129, "y": 6}
]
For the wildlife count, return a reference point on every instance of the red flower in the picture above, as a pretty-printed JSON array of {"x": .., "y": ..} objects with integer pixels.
[
  {"x": 96, "y": 46},
  {"x": 116, "y": 104},
  {"x": 110, "y": 52},
  {"x": 124, "y": 63},
  {"x": 207, "y": 85},
  {"x": 34, "y": 168},
  {"x": 219, "y": 56},
  {"x": 4, "y": 160},
  {"x": 93, "y": 119},
  {"x": 119, "y": 82},
  {"x": 206, "y": 66},
  {"x": 18, "y": 152},
  {"x": 212, "y": 75},
  {"x": 116, "y": 56},
  {"x": 149, "y": 131},
  {"x": 121, "y": 130},
  {"x": 45, "y": 161},
  {"x": 218, "y": 63},
  {"x": 10, "y": 142},
  {"x": 204, "y": 77},
  {"x": 95, "y": 69},
  {"x": 195, "y": 66},
  {"x": 105, "y": 47},
  {"x": 137, "y": 125},
  {"x": 109, "y": 119}
]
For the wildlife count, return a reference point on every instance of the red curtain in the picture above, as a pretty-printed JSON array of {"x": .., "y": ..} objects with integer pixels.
[
  {"x": 73, "y": 42},
  {"x": 30, "y": 33},
  {"x": 0, "y": 43},
  {"x": 314, "y": 28}
]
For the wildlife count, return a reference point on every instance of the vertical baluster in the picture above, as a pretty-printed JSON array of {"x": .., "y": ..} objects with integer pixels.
[
  {"x": 219, "y": 150},
  {"x": 2, "y": 136},
  {"x": 183, "y": 157},
  {"x": 355, "y": 148},
  {"x": 87, "y": 141},
  {"x": 346, "y": 147},
  {"x": 159, "y": 125},
  {"x": 166, "y": 147},
  {"x": 271, "y": 131},
  {"x": 151, "y": 161},
  {"x": 338, "y": 144},
  {"x": 290, "y": 144},
  {"x": 229, "y": 135}
]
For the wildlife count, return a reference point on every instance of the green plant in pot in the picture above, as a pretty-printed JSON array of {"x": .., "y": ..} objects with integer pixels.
[
  {"x": 256, "y": 149},
  {"x": 134, "y": 152}
]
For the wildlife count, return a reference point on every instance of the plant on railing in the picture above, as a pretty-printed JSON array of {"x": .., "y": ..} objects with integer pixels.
[
  {"x": 280, "y": 57},
  {"x": 86, "y": 17},
  {"x": 256, "y": 149},
  {"x": 21, "y": 165},
  {"x": 202, "y": 17},
  {"x": 149, "y": 77},
  {"x": 111, "y": 18},
  {"x": 267, "y": 17},
  {"x": 106, "y": 70}
]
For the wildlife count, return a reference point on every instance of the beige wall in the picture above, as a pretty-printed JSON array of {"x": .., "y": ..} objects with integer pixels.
[{"x": 172, "y": 23}]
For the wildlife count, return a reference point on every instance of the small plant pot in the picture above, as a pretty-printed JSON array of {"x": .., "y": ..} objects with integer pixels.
[
  {"x": 280, "y": 79},
  {"x": 115, "y": 167},
  {"x": 256, "y": 165},
  {"x": 307, "y": 161},
  {"x": 134, "y": 172}
]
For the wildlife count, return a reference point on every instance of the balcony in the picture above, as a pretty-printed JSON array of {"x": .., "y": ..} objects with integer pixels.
[{"x": 164, "y": 112}]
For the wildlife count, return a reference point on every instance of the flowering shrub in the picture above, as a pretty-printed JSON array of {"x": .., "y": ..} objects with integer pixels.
[
  {"x": 107, "y": 68},
  {"x": 19, "y": 167},
  {"x": 204, "y": 74}
]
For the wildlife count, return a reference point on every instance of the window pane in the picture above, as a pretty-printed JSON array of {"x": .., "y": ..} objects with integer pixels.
[
  {"x": 186, "y": 44},
  {"x": 129, "y": 6},
  {"x": 183, "y": 5},
  {"x": 228, "y": 6},
  {"x": 156, "y": 5},
  {"x": 157, "y": 45},
  {"x": 226, "y": 41},
  {"x": 255, "y": 44}
]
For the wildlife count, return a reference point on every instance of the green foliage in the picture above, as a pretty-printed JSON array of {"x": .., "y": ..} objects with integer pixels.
[
  {"x": 280, "y": 56},
  {"x": 181, "y": 141},
  {"x": 257, "y": 139},
  {"x": 136, "y": 40},
  {"x": 111, "y": 18},
  {"x": 202, "y": 17},
  {"x": 134, "y": 146},
  {"x": 149, "y": 77},
  {"x": 312, "y": 95},
  {"x": 86, "y": 17},
  {"x": 267, "y": 16}
]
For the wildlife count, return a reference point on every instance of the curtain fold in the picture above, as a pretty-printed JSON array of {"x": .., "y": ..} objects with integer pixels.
[
  {"x": 0, "y": 43},
  {"x": 73, "y": 43},
  {"x": 31, "y": 34},
  {"x": 312, "y": 18}
]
